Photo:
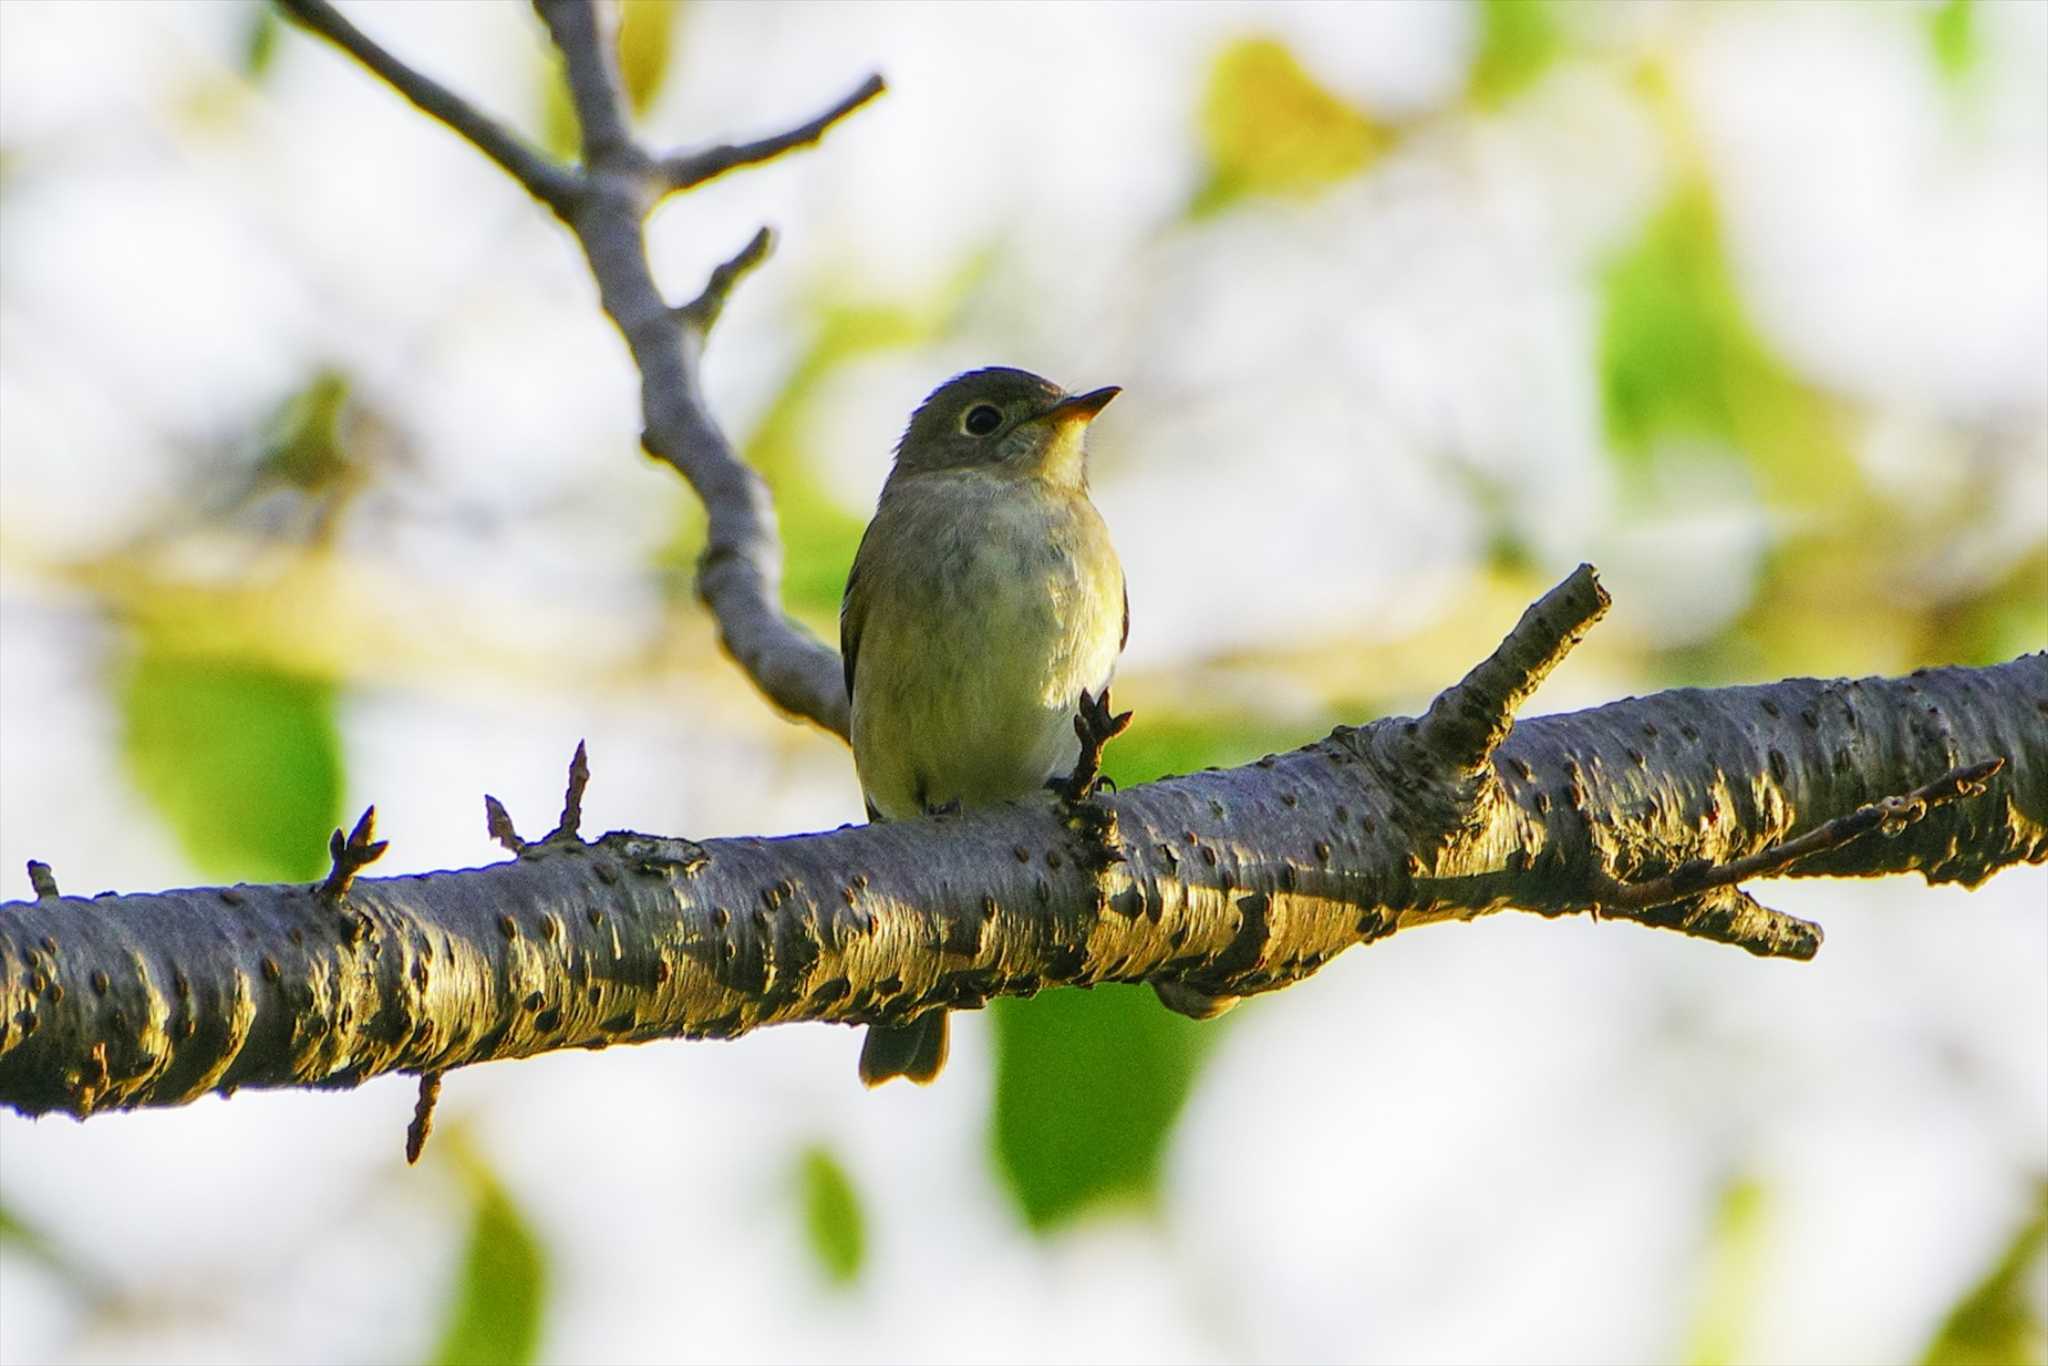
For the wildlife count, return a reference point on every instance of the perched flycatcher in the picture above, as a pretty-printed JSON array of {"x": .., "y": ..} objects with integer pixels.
[{"x": 984, "y": 599}]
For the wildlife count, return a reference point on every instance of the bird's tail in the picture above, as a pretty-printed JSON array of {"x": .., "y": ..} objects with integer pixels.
[{"x": 916, "y": 1050}]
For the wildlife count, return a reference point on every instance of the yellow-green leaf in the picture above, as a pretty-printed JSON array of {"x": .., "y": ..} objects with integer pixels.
[
  {"x": 1518, "y": 40},
  {"x": 1732, "y": 1274},
  {"x": 259, "y": 41},
  {"x": 1088, "y": 1086},
  {"x": 498, "y": 1304},
  {"x": 243, "y": 761},
  {"x": 1268, "y": 127},
  {"x": 1952, "y": 38},
  {"x": 833, "y": 1222},
  {"x": 1680, "y": 358},
  {"x": 1997, "y": 1322},
  {"x": 646, "y": 43}
]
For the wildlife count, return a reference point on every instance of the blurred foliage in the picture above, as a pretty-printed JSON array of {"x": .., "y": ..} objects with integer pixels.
[
  {"x": 820, "y": 534},
  {"x": 1679, "y": 359},
  {"x": 1953, "y": 39},
  {"x": 1732, "y": 1274},
  {"x": 499, "y": 1301},
  {"x": 19, "y": 1236},
  {"x": 1996, "y": 1323},
  {"x": 1267, "y": 127},
  {"x": 2006, "y": 619},
  {"x": 304, "y": 448},
  {"x": 647, "y": 30},
  {"x": 1518, "y": 40},
  {"x": 1162, "y": 743},
  {"x": 259, "y": 41},
  {"x": 834, "y": 1225},
  {"x": 242, "y": 760},
  {"x": 1088, "y": 1086}
]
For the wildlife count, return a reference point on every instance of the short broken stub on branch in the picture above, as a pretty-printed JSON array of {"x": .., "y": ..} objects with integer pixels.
[{"x": 1211, "y": 887}]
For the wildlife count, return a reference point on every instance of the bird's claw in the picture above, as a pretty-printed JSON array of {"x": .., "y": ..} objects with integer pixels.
[{"x": 1095, "y": 725}]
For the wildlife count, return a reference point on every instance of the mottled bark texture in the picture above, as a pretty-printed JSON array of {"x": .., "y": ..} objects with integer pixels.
[{"x": 1217, "y": 884}]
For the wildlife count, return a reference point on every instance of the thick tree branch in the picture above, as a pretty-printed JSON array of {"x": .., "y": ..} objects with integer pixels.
[
  {"x": 551, "y": 184},
  {"x": 683, "y": 170},
  {"x": 605, "y": 203},
  {"x": 1224, "y": 884}
]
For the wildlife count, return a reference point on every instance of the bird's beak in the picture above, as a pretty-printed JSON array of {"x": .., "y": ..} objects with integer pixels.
[{"x": 1082, "y": 407}]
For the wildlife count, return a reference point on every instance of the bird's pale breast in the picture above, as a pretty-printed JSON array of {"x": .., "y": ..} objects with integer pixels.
[{"x": 975, "y": 644}]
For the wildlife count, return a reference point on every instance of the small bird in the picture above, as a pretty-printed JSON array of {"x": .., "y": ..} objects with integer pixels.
[{"x": 984, "y": 601}]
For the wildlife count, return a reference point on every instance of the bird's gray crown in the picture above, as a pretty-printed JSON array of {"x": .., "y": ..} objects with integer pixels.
[{"x": 940, "y": 433}]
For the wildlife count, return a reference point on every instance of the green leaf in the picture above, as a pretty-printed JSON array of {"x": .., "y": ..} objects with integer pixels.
[
  {"x": 243, "y": 761},
  {"x": 1997, "y": 1323},
  {"x": 1732, "y": 1274},
  {"x": 1679, "y": 358},
  {"x": 560, "y": 137},
  {"x": 1088, "y": 1086},
  {"x": 1953, "y": 40},
  {"x": 1518, "y": 40},
  {"x": 305, "y": 448},
  {"x": 259, "y": 42},
  {"x": 495, "y": 1315},
  {"x": 1267, "y": 127},
  {"x": 646, "y": 42},
  {"x": 833, "y": 1222}
]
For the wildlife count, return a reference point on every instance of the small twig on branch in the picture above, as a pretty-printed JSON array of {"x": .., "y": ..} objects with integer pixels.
[
  {"x": 422, "y": 1117},
  {"x": 498, "y": 821},
  {"x": 352, "y": 853},
  {"x": 42, "y": 880},
  {"x": 1891, "y": 815},
  {"x": 682, "y": 170},
  {"x": 702, "y": 312},
  {"x": 1469, "y": 719},
  {"x": 571, "y": 823},
  {"x": 552, "y": 185}
]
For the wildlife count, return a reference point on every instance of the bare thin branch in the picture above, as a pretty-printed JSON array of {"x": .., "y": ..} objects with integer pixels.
[
  {"x": 682, "y": 170},
  {"x": 1891, "y": 815},
  {"x": 702, "y": 312},
  {"x": 739, "y": 577},
  {"x": 553, "y": 185}
]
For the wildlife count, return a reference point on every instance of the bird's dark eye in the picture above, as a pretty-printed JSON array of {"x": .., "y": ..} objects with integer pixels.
[{"x": 981, "y": 419}]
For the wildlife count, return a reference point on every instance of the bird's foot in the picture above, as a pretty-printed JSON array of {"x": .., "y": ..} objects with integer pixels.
[
  {"x": 1095, "y": 725},
  {"x": 1095, "y": 822}
]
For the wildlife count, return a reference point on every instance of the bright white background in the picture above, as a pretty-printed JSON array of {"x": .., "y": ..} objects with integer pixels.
[{"x": 1498, "y": 1142}]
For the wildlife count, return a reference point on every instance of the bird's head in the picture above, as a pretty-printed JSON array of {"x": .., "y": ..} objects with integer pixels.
[{"x": 1006, "y": 421}]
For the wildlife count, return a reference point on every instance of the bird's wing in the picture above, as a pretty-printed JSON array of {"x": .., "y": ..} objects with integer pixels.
[
  {"x": 1121, "y": 640},
  {"x": 852, "y": 611}
]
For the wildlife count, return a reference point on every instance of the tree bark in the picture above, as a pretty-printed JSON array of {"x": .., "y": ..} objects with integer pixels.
[{"x": 1213, "y": 886}]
